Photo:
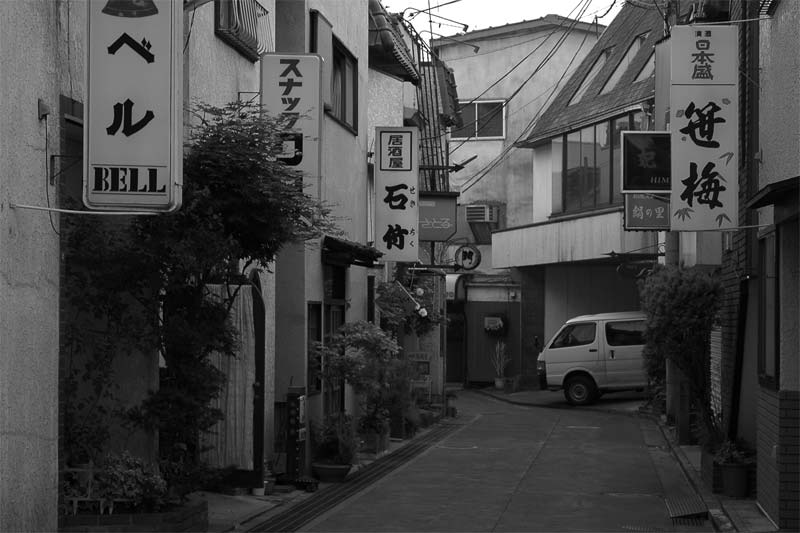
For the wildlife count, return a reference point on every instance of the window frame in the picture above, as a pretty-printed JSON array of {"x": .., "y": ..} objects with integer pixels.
[
  {"x": 591, "y": 76},
  {"x": 477, "y": 125},
  {"x": 624, "y": 63},
  {"x": 348, "y": 99},
  {"x": 769, "y": 333},
  {"x": 613, "y": 196}
]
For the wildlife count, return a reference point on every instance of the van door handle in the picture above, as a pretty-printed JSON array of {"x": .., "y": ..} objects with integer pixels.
[
  {"x": 592, "y": 349},
  {"x": 612, "y": 353}
]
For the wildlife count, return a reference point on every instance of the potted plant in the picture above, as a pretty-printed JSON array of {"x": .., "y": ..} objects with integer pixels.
[
  {"x": 734, "y": 462},
  {"x": 500, "y": 360},
  {"x": 333, "y": 447}
]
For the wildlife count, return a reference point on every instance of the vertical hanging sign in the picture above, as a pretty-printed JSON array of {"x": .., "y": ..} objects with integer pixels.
[
  {"x": 704, "y": 128},
  {"x": 290, "y": 91},
  {"x": 133, "y": 124},
  {"x": 397, "y": 194}
]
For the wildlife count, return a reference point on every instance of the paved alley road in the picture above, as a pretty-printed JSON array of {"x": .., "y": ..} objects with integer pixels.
[{"x": 517, "y": 468}]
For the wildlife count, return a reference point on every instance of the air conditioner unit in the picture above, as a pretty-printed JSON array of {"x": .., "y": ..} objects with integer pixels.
[{"x": 483, "y": 213}]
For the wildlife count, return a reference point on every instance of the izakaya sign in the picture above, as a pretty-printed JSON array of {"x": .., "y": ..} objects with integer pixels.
[
  {"x": 704, "y": 128},
  {"x": 133, "y": 124},
  {"x": 396, "y": 194},
  {"x": 290, "y": 91}
]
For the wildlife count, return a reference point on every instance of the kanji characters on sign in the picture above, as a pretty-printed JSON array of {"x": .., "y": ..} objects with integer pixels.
[
  {"x": 396, "y": 194},
  {"x": 704, "y": 128}
]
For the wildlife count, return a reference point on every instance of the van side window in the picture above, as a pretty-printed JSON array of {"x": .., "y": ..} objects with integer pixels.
[
  {"x": 628, "y": 333},
  {"x": 575, "y": 335}
]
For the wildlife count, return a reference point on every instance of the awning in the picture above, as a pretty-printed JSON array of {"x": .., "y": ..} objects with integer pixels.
[
  {"x": 783, "y": 195},
  {"x": 344, "y": 253},
  {"x": 775, "y": 193},
  {"x": 387, "y": 51}
]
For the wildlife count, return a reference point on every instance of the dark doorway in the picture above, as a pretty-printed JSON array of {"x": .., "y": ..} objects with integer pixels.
[{"x": 456, "y": 343}]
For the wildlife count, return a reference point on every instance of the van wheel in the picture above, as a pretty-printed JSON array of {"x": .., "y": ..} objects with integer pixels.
[{"x": 580, "y": 390}]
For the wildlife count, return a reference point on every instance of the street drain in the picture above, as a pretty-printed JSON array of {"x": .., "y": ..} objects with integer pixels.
[{"x": 323, "y": 500}]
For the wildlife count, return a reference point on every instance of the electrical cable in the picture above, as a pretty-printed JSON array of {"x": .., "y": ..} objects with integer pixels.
[
  {"x": 479, "y": 175},
  {"x": 561, "y": 39}
]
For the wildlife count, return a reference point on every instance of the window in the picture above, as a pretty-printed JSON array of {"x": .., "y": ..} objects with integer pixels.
[
  {"x": 344, "y": 86},
  {"x": 483, "y": 120},
  {"x": 768, "y": 355},
  {"x": 587, "y": 81},
  {"x": 585, "y": 165},
  {"x": 649, "y": 69},
  {"x": 624, "y": 63},
  {"x": 575, "y": 335},
  {"x": 244, "y": 25},
  {"x": 627, "y": 333}
]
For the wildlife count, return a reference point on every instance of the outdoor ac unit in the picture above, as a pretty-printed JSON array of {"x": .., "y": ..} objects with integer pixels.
[{"x": 483, "y": 213}]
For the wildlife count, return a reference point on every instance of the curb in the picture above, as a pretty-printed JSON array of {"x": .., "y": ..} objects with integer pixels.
[
  {"x": 564, "y": 407},
  {"x": 716, "y": 512}
]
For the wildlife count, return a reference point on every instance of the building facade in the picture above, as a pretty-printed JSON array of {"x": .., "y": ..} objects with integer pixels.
[{"x": 507, "y": 76}]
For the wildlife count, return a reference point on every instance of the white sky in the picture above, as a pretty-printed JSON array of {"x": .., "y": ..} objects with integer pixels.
[{"x": 482, "y": 14}]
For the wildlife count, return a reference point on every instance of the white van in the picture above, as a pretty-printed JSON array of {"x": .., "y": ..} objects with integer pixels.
[{"x": 594, "y": 354}]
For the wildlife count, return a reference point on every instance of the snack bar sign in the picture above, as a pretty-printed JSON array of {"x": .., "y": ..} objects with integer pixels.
[
  {"x": 397, "y": 194},
  {"x": 133, "y": 127},
  {"x": 704, "y": 127}
]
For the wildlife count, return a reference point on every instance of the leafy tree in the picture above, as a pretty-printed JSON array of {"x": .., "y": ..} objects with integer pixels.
[
  {"x": 681, "y": 305},
  {"x": 241, "y": 205}
]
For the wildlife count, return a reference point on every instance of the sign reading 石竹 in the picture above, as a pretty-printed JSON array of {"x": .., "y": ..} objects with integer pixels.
[
  {"x": 704, "y": 127},
  {"x": 290, "y": 91},
  {"x": 133, "y": 123},
  {"x": 397, "y": 194}
]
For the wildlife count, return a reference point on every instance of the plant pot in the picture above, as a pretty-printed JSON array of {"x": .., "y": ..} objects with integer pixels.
[
  {"x": 499, "y": 383},
  {"x": 330, "y": 473},
  {"x": 734, "y": 479}
]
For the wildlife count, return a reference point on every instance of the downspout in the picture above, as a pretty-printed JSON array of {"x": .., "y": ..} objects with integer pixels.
[{"x": 736, "y": 388}]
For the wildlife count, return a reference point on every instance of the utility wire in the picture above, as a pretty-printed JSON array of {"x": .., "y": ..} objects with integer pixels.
[
  {"x": 470, "y": 182},
  {"x": 560, "y": 40}
]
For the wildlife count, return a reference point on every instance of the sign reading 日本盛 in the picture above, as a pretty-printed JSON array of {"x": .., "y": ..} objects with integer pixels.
[
  {"x": 397, "y": 194},
  {"x": 133, "y": 123},
  {"x": 704, "y": 127}
]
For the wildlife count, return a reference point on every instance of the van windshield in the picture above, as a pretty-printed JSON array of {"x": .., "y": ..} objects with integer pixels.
[{"x": 575, "y": 335}]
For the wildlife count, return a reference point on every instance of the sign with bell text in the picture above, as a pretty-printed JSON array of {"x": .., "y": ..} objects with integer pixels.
[
  {"x": 397, "y": 193},
  {"x": 133, "y": 122},
  {"x": 704, "y": 127},
  {"x": 645, "y": 211}
]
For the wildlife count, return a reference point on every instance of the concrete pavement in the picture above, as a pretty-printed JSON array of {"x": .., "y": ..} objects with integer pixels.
[{"x": 678, "y": 471}]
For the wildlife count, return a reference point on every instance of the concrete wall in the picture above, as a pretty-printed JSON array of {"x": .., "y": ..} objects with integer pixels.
[
  {"x": 572, "y": 290},
  {"x": 511, "y": 181},
  {"x": 41, "y": 56}
]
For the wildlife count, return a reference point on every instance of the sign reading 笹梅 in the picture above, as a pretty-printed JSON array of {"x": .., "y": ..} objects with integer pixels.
[{"x": 704, "y": 127}]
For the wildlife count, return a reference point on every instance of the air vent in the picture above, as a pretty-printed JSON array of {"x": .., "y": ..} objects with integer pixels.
[{"x": 483, "y": 213}]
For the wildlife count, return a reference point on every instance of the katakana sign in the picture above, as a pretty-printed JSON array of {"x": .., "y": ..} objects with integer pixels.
[
  {"x": 704, "y": 120},
  {"x": 290, "y": 91},
  {"x": 133, "y": 124},
  {"x": 397, "y": 193}
]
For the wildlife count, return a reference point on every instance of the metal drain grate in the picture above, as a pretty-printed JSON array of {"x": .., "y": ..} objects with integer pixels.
[
  {"x": 688, "y": 510},
  {"x": 296, "y": 516}
]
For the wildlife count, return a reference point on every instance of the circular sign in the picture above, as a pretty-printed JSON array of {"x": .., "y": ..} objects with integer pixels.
[{"x": 467, "y": 257}]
